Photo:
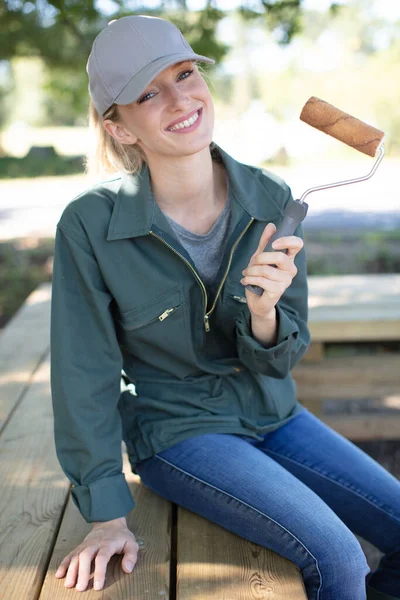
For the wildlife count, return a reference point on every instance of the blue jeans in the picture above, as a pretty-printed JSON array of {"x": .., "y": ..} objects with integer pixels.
[{"x": 301, "y": 492}]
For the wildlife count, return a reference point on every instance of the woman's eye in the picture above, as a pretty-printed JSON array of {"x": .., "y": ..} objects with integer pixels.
[
  {"x": 190, "y": 71},
  {"x": 145, "y": 97}
]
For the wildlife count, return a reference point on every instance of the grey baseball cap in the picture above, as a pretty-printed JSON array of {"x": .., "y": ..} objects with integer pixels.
[{"x": 129, "y": 53}]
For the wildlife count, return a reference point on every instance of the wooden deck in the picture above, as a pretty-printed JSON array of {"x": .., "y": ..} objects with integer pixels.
[
  {"x": 360, "y": 311},
  {"x": 182, "y": 556}
]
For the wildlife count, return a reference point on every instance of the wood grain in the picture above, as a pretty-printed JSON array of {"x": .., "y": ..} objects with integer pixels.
[
  {"x": 214, "y": 563},
  {"x": 23, "y": 344},
  {"x": 33, "y": 492},
  {"x": 350, "y": 377},
  {"x": 150, "y": 522}
]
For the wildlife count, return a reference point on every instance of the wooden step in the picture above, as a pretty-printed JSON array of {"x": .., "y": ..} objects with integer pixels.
[
  {"x": 23, "y": 344},
  {"x": 214, "y": 563},
  {"x": 354, "y": 307},
  {"x": 150, "y": 523},
  {"x": 357, "y": 377},
  {"x": 364, "y": 427},
  {"x": 33, "y": 492}
]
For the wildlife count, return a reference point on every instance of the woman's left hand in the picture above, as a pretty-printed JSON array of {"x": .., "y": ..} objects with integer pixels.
[{"x": 273, "y": 280}]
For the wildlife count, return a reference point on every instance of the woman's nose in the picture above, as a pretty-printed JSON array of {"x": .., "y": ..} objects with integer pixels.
[{"x": 177, "y": 96}]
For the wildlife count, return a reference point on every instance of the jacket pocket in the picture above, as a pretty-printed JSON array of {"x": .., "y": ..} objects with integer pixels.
[
  {"x": 157, "y": 309},
  {"x": 159, "y": 333},
  {"x": 235, "y": 292}
]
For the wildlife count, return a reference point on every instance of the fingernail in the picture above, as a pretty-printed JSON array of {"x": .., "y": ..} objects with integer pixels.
[
  {"x": 97, "y": 585},
  {"x": 129, "y": 566},
  {"x": 276, "y": 245},
  {"x": 80, "y": 586}
]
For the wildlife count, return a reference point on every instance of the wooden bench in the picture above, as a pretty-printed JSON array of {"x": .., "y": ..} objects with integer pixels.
[
  {"x": 350, "y": 309},
  {"x": 182, "y": 556}
]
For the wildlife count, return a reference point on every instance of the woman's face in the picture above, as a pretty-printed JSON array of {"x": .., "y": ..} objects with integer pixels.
[{"x": 175, "y": 95}]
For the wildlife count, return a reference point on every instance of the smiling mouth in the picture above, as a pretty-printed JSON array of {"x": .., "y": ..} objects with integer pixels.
[{"x": 187, "y": 122}]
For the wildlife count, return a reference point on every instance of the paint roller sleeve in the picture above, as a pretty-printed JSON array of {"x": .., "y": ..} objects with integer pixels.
[{"x": 342, "y": 126}]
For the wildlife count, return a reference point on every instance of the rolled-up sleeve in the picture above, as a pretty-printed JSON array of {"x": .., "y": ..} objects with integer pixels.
[
  {"x": 86, "y": 365},
  {"x": 293, "y": 336}
]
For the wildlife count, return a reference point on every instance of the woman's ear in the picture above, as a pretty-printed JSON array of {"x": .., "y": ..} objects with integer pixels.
[{"x": 119, "y": 132}]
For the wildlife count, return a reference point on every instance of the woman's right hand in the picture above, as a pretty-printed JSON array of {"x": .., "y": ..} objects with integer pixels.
[{"x": 104, "y": 540}]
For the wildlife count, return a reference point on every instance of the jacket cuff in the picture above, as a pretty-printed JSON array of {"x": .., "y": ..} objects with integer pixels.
[
  {"x": 105, "y": 499},
  {"x": 257, "y": 356}
]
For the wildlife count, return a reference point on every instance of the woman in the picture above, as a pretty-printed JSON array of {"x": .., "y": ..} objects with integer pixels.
[{"x": 149, "y": 276}]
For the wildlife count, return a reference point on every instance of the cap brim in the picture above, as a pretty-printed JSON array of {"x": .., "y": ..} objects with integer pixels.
[{"x": 141, "y": 80}]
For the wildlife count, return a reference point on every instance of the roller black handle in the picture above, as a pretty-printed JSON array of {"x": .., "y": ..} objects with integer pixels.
[{"x": 295, "y": 213}]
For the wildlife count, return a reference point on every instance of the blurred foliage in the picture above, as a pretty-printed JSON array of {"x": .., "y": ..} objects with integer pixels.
[
  {"x": 360, "y": 72},
  {"x": 350, "y": 58},
  {"x": 352, "y": 252},
  {"x": 40, "y": 162},
  {"x": 24, "y": 264},
  {"x": 6, "y": 87},
  {"x": 61, "y": 32}
]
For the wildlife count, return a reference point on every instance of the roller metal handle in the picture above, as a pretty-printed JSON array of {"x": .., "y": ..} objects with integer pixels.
[{"x": 294, "y": 214}]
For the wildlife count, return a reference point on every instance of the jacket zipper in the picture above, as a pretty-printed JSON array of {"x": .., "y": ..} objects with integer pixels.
[
  {"x": 206, "y": 324},
  {"x": 166, "y": 313},
  {"x": 160, "y": 317},
  {"x": 207, "y": 314},
  {"x": 228, "y": 267}
]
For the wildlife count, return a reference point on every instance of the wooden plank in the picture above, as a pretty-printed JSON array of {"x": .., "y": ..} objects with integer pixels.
[
  {"x": 354, "y": 307},
  {"x": 349, "y": 377},
  {"x": 315, "y": 352},
  {"x": 365, "y": 427},
  {"x": 374, "y": 291},
  {"x": 150, "y": 522},
  {"x": 314, "y": 406},
  {"x": 370, "y": 330},
  {"x": 33, "y": 492},
  {"x": 23, "y": 344},
  {"x": 215, "y": 563}
]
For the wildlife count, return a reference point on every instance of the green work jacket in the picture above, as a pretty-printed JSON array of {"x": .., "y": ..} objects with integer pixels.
[{"x": 127, "y": 296}]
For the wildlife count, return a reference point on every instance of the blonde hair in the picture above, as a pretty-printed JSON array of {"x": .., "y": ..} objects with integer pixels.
[{"x": 106, "y": 155}]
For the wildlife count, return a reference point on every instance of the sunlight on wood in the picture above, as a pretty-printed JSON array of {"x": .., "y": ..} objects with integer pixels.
[
  {"x": 43, "y": 294},
  {"x": 391, "y": 401},
  {"x": 359, "y": 289},
  {"x": 344, "y": 298},
  {"x": 21, "y": 376},
  {"x": 220, "y": 570}
]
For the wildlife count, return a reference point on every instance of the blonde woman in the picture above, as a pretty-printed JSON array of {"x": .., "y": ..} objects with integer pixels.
[{"x": 150, "y": 277}]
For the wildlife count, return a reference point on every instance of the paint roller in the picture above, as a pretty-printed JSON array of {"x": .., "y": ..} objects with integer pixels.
[{"x": 345, "y": 128}]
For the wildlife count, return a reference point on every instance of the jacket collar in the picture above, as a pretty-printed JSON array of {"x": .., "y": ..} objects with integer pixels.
[{"x": 135, "y": 209}]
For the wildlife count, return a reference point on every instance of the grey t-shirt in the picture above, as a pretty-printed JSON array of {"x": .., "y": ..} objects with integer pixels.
[{"x": 206, "y": 250}]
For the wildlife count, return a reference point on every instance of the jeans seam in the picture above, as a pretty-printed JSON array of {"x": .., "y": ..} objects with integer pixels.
[
  {"x": 347, "y": 488},
  {"x": 252, "y": 508}
]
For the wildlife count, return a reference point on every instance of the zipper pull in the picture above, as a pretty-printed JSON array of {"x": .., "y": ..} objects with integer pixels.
[
  {"x": 166, "y": 313},
  {"x": 206, "y": 323},
  {"x": 242, "y": 299}
]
